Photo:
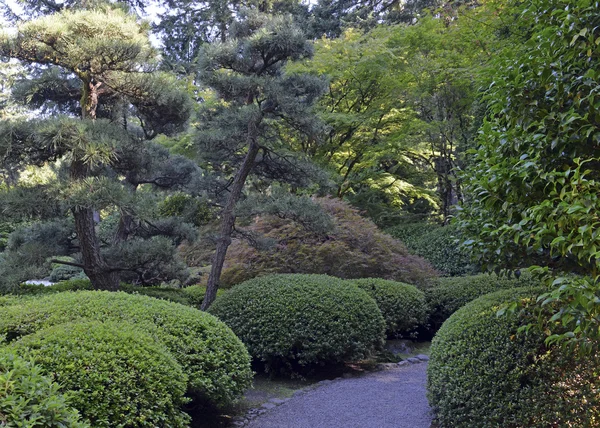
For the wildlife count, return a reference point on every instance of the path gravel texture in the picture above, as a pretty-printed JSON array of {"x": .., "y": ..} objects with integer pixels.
[{"x": 393, "y": 398}]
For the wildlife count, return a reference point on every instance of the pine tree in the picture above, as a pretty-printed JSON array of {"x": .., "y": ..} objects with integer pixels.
[
  {"x": 241, "y": 132},
  {"x": 98, "y": 61}
]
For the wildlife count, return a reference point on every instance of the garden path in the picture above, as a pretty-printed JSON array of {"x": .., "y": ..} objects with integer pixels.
[{"x": 393, "y": 398}]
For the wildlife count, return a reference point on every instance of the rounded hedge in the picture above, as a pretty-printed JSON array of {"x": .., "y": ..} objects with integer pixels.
[
  {"x": 190, "y": 296},
  {"x": 446, "y": 295},
  {"x": 30, "y": 399},
  {"x": 402, "y": 305},
  {"x": 484, "y": 373},
  {"x": 216, "y": 362},
  {"x": 117, "y": 376},
  {"x": 436, "y": 244},
  {"x": 294, "y": 322}
]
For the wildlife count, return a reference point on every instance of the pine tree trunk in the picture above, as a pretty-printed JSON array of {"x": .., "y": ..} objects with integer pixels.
[
  {"x": 94, "y": 265},
  {"x": 228, "y": 215}
]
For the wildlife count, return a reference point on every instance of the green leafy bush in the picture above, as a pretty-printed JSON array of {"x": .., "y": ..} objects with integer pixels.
[
  {"x": 62, "y": 272},
  {"x": 117, "y": 376},
  {"x": 402, "y": 305},
  {"x": 438, "y": 245},
  {"x": 294, "y": 322},
  {"x": 483, "y": 373},
  {"x": 190, "y": 296},
  {"x": 29, "y": 399},
  {"x": 446, "y": 295},
  {"x": 355, "y": 248},
  {"x": 216, "y": 362}
]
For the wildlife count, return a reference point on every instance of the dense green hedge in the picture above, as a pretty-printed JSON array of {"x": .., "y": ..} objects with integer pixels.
[
  {"x": 294, "y": 322},
  {"x": 190, "y": 296},
  {"x": 215, "y": 360},
  {"x": 446, "y": 295},
  {"x": 438, "y": 245},
  {"x": 483, "y": 373},
  {"x": 402, "y": 305},
  {"x": 116, "y": 375},
  {"x": 30, "y": 399}
]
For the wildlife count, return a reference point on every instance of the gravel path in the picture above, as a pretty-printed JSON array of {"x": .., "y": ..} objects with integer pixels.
[{"x": 393, "y": 398}]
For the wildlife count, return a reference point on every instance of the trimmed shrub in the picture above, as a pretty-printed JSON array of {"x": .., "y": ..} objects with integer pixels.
[
  {"x": 117, "y": 376},
  {"x": 355, "y": 248},
  {"x": 402, "y": 305},
  {"x": 30, "y": 399},
  {"x": 446, "y": 295},
  {"x": 437, "y": 245},
  {"x": 484, "y": 373},
  {"x": 190, "y": 296},
  {"x": 216, "y": 362},
  {"x": 294, "y": 322}
]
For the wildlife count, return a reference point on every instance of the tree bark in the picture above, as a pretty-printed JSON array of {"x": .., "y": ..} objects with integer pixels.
[
  {"x": 94, "y": 265},
  {"x": 228, "y": 215}
]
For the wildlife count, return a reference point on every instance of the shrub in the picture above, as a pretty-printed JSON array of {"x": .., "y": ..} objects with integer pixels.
[
  {"x": 484, "y": 373},
  {"x": 117, "y": 376},
  {"x": 402, "y": 305},
  {"x": 30, "y": 399},
  {"x": 216, "y": 362},
  {"x": 438, "y": 245},
  {"x": 190, "y": 296},
  {"x": 62, "y": 272},
  {"x": 446, "y": 295},
  {"x": 355, "y": 248},
  {"x": 294, "y": 322}
]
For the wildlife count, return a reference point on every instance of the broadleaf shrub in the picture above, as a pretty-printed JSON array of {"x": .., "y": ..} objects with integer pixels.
[
  {"x": 190, "y": 296},
  {"x": 116, "y": 375},
  {"x": 295, "y": 322},
  {"x": 436, "y": 244},
  {"x": 447, "y": 295},
  {"x": 30, "y": 399},
  {"x": 403, "y": 306},
  {"x": 356, "y": 248},
  {"x": 485, "y": 373},
  {"x": 216, "y": 362}
]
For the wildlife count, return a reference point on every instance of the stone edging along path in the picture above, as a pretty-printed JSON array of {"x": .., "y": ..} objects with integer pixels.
[{"x": 392, "y": 397}]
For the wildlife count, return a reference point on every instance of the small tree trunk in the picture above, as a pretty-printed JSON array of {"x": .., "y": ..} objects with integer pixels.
[{"x": 228, "y": 215}]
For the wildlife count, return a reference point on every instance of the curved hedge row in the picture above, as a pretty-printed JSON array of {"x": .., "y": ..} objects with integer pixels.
[
  {"x": 190, "y": 296},
  {"x": 30, "y": 399},
  {"x": 446, "y": 295},
  {"x": 402, "y": 305},
  {"x": 215, "y": 360},
  {"x": 116, "y": 375},
  {"x": 294, "y": 322},
  {"x": 483, "y": 373}
]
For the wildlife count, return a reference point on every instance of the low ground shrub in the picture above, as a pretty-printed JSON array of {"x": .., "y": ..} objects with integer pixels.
[
  {"x": 216, "y": 362},
  {"x": 446, "y": 295},
  {"x": 116, "y": 375},
  {"x": 294, "y": 322},
  {"x": 190, "y": 296},
  {"x": 30, "y": 399},
  {"x": 354, "y": 248},
  {"x": 402, "y": 305},
  {"x": 484, "y": 373},
  {"x": 437, "y": 244}
]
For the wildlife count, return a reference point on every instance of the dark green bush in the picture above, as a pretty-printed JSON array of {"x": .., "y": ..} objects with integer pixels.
[
  {"x": 216, "y": 362},
  {"x": 446, "y": 295},
  {"x": 435, "y": 244},
  {"x": 29, "y": 399},
  {"x": 294, "y": 322},
  {"x": 483, "y": 373},
  {"x": 117, "y": 376},
  {"x": 402, "y": 305}
]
